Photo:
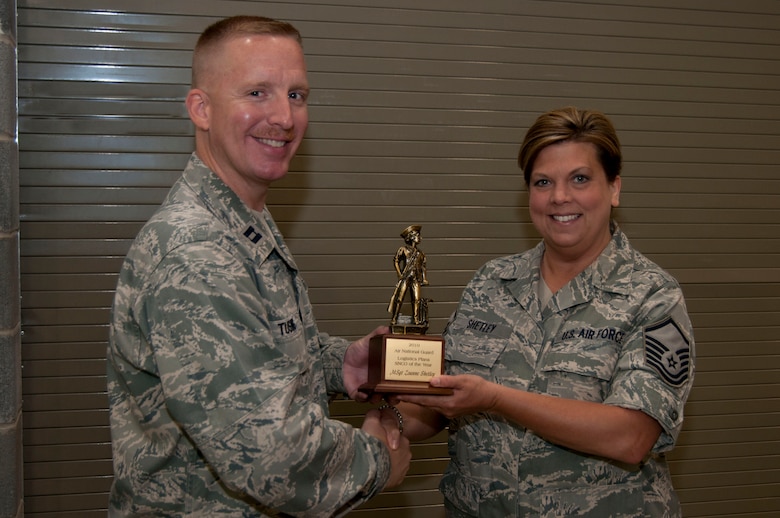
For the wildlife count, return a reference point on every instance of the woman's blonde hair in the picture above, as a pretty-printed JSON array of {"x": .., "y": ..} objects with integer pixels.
[{"x": 572, "y": 124}]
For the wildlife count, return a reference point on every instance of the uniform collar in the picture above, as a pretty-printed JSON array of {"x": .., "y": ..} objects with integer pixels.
[
  {"x": 611, "y": 272},
  {"x": 255, "y": 230}
]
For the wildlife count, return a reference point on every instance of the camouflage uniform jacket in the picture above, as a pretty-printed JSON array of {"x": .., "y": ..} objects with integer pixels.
[
  {"x": 218, "y": 377},
  {"x": 617, "y": 334}
]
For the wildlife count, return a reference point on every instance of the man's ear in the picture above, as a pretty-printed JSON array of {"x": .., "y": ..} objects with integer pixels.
[{"x": 197, "y": 103}]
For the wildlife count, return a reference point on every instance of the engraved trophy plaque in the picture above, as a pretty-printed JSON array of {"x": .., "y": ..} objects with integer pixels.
[{"x": 403, "y": 361}]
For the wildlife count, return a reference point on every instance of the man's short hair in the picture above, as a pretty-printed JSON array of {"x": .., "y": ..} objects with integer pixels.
[{"x": 219, "y": 32}]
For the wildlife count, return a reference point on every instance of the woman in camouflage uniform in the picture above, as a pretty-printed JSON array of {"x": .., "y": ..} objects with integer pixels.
[{"x": 571, "y": 362}]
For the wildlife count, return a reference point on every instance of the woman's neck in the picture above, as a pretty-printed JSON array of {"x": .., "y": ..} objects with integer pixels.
[{"x": 557, "y": 269}]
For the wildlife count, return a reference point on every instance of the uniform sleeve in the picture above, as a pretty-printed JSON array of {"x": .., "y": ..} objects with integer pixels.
[
  {"x": 248, "y": 392},
  {"x": 656, "y": 366},
  {"x": 333, "y": 351}
]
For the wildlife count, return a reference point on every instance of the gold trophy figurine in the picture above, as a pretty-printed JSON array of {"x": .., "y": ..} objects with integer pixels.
[
  {"x": 410, "y": 266},
  {"x": 406, "y": 359}
]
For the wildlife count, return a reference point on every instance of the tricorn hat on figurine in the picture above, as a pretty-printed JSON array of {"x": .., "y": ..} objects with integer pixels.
[{"x": 411, "y": 228}]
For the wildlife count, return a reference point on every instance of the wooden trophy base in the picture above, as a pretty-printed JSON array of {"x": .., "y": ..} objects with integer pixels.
[{"x": 404, "y": 363}]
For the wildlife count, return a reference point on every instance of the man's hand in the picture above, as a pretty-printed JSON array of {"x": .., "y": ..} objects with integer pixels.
[
  {"x": 386, "y": 430},
  {"x": 355, "y": 367},
  {"x": 392, "y": 424}
]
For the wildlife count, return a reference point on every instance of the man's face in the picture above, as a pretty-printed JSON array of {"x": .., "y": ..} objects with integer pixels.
[{"x": 256, "y": 112}]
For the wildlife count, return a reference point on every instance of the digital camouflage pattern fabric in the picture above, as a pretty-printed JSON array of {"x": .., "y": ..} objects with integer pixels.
[
  {"x": 218, "y": 378},
  {"x": 590, "y": 342}
]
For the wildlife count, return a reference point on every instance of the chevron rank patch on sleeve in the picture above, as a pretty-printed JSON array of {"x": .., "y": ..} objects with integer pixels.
[{"x": 668, "y": 352}]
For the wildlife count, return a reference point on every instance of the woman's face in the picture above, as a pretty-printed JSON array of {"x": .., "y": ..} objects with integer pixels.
[{"x": 571, "y": 200}]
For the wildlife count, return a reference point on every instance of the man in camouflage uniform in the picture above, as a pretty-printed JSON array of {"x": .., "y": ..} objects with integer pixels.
[{"x": 218, "y": 378}]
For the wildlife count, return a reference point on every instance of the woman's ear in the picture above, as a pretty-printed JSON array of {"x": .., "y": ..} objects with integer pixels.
[
  {"x": 197, "y": 103},
  {"x": 616, "y": 191}
]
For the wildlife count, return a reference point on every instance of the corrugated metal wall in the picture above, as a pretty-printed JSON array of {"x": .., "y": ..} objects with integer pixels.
[{"x": 416, "y": 116}]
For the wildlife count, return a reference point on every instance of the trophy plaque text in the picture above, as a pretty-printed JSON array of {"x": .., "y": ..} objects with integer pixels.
[
  {"x": 403, "y": 361},
  {"x": 403, "y": 364}
]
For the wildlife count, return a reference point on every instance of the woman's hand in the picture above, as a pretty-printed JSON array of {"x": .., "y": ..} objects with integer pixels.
[
  {"x": 471, "y": 394},
  {"x": 618, "y": 433}
]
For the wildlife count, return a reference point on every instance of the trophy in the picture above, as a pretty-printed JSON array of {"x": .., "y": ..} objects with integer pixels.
[{"x": 403, "y": 361}]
